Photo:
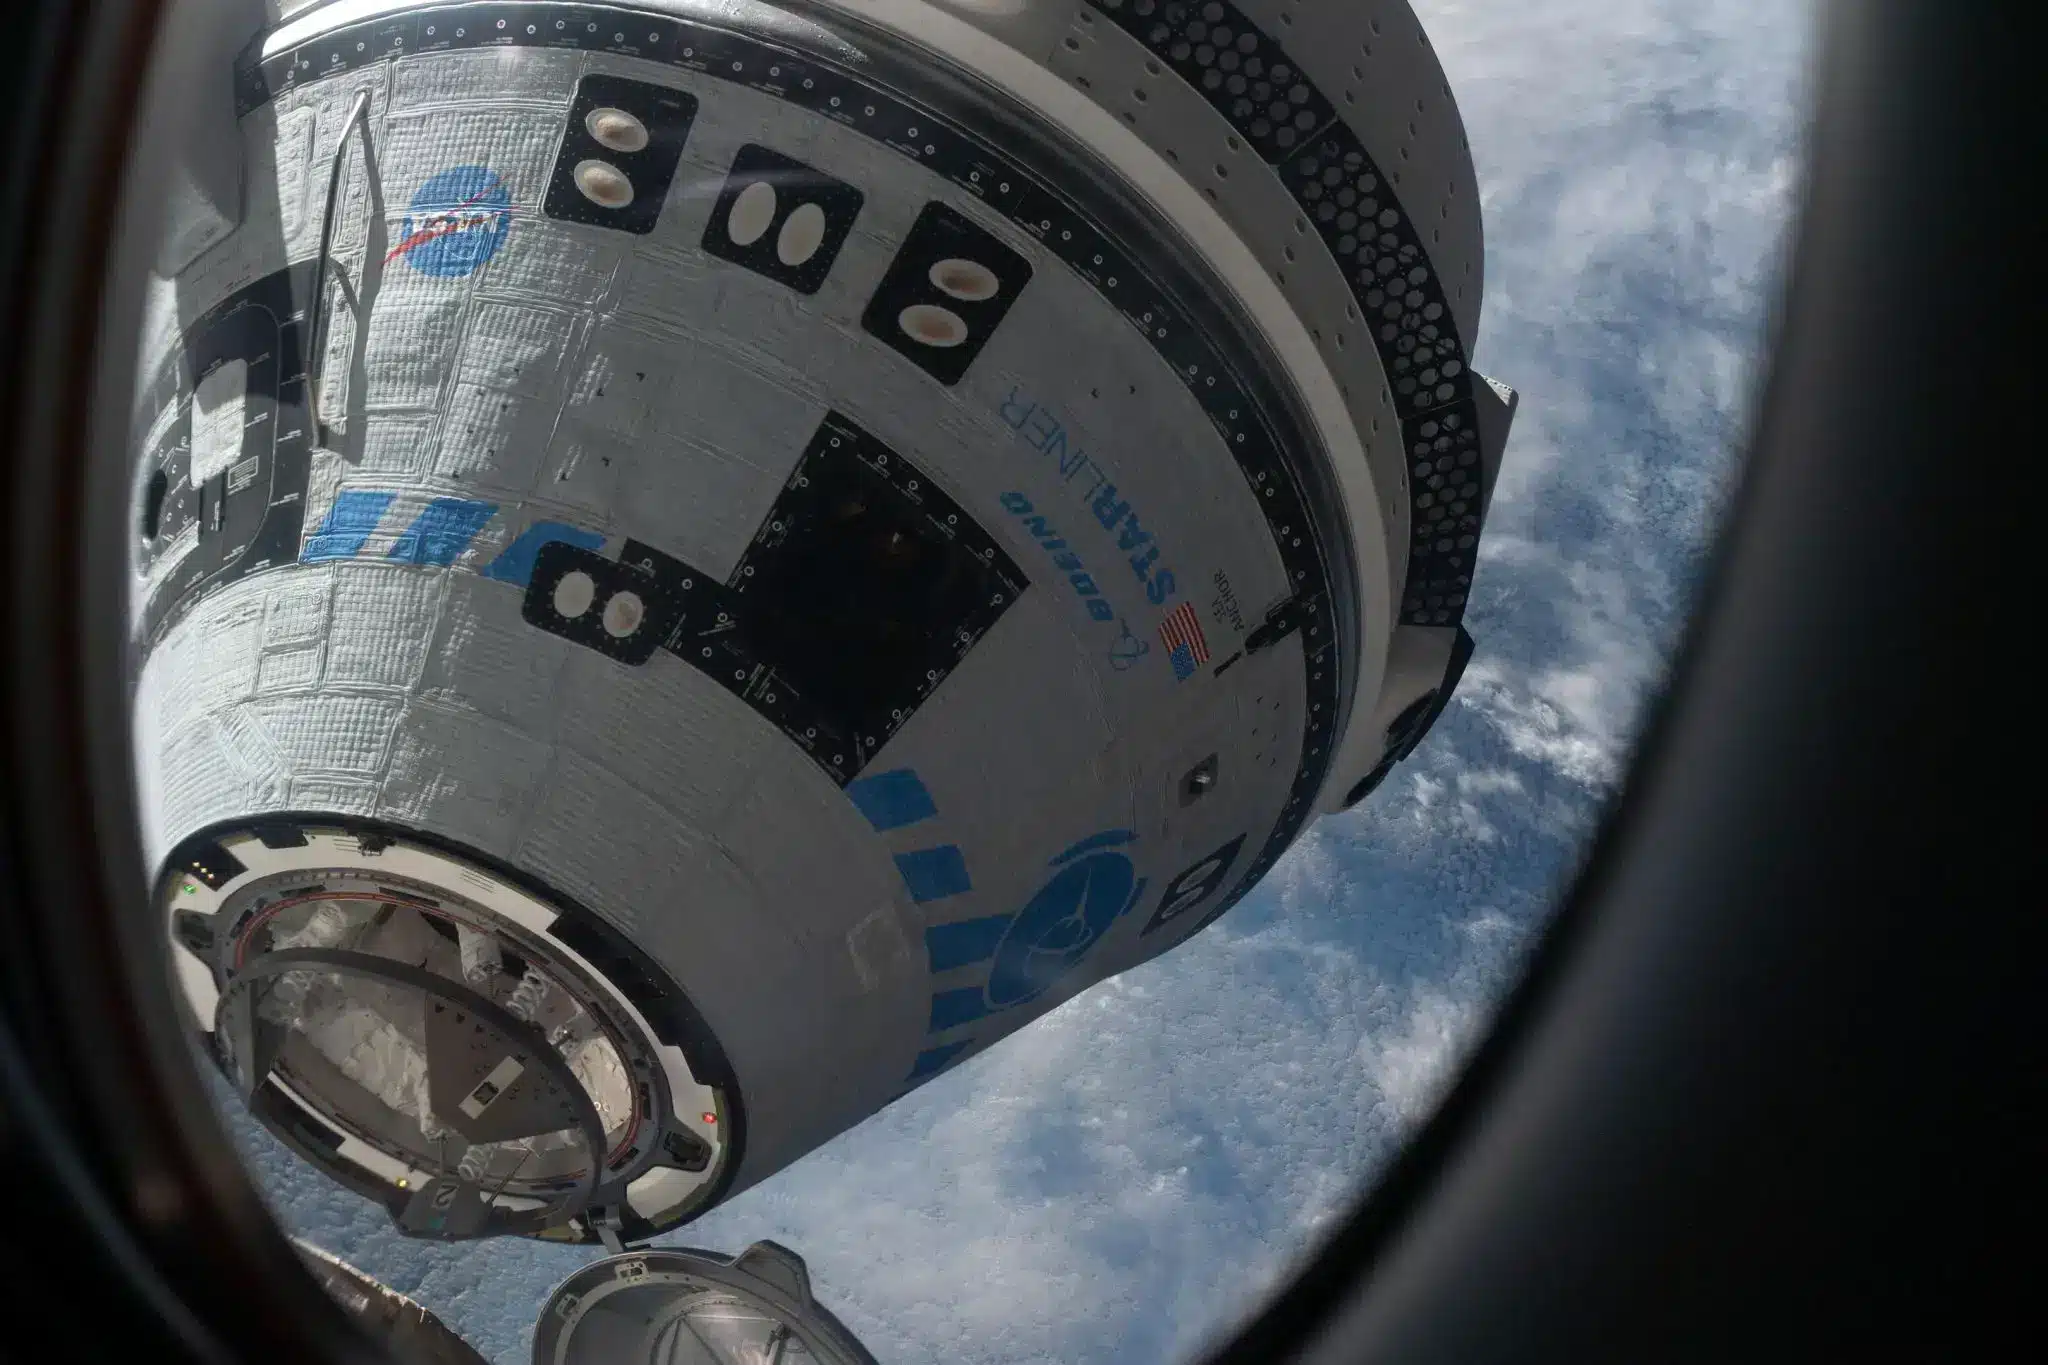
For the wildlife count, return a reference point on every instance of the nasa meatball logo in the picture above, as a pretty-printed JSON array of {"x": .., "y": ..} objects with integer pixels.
[
  {"x": 456, "y": 223},
  {"x": 1094, "y": 887}
]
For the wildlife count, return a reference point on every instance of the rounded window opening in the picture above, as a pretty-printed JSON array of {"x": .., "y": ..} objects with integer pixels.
[{"x": 153, "y": 503}]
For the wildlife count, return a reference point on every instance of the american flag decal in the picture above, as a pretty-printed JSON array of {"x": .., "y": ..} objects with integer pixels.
[{"x": 1181, "y": 634}]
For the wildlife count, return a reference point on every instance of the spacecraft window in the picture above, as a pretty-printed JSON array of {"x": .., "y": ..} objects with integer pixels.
[
  {"x": 802, "y": 234},
  {"x": 574, "y": 594},
  {"x": 752, "y": 212},
  {"x": 852, "y": 605}
]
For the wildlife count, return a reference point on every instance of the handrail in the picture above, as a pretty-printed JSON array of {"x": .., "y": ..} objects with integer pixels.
[{"x": 316, "y": 348}]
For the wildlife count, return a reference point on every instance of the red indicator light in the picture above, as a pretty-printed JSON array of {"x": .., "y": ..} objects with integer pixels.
[{"x": 710, "y": 1117}]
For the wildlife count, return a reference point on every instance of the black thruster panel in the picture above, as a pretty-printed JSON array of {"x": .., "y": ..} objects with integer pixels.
[
  {"x": 1246, "y": 76},
  {"x": 1352, "y": 203},
  {"x": 793, "y": 226},
  {"x": 1193, "y": 886},
  {"x": 207, "y": 861},
  {"x": 665, "y": 113},
  {"x": 1249, "y": 79},
  {"x": 946, "y": 292},
  {"x": 626, "y": 612},
  {"x": 867, "y": 584},
  {"x": 1446, "y": 483}
]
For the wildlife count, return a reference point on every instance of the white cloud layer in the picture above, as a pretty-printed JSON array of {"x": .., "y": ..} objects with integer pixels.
[{"x": 1119, "y": 1181}]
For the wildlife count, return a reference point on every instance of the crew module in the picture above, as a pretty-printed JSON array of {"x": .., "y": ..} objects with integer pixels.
[{"x": 699, "y": 563}]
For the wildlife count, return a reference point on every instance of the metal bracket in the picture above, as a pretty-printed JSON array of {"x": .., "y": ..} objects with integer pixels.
[
  {"x": 605, "y": 1222},
  {"x": 1281, "y": 622}
]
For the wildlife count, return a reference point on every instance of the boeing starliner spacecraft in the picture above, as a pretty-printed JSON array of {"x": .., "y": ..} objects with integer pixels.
[{"x": 699, "y": 562}]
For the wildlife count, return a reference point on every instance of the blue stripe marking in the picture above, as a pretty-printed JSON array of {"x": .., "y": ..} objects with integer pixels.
[
  {"x": 514, "y": 564},
  {"x": 969, "y": 940},
  {"x": 933, "y": 1060},
  {"x": 934, "y": 873},
  {"x": 443, "y": 531},
  {"x": 892, "y": 800},
  {"x": 349, "y": 523},
  {"x": 952, "y": 1008}
]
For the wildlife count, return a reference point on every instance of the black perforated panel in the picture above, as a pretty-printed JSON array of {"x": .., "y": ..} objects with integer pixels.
[
  {"x": 666, "y": 114},
  {"x": 867, "y": 585},
  {"x": 863, "y": 589},
  {"x": 1280, "y": 114},
  {"x": 776, "y": 247},
  {"x": 945, "y": 293}
]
